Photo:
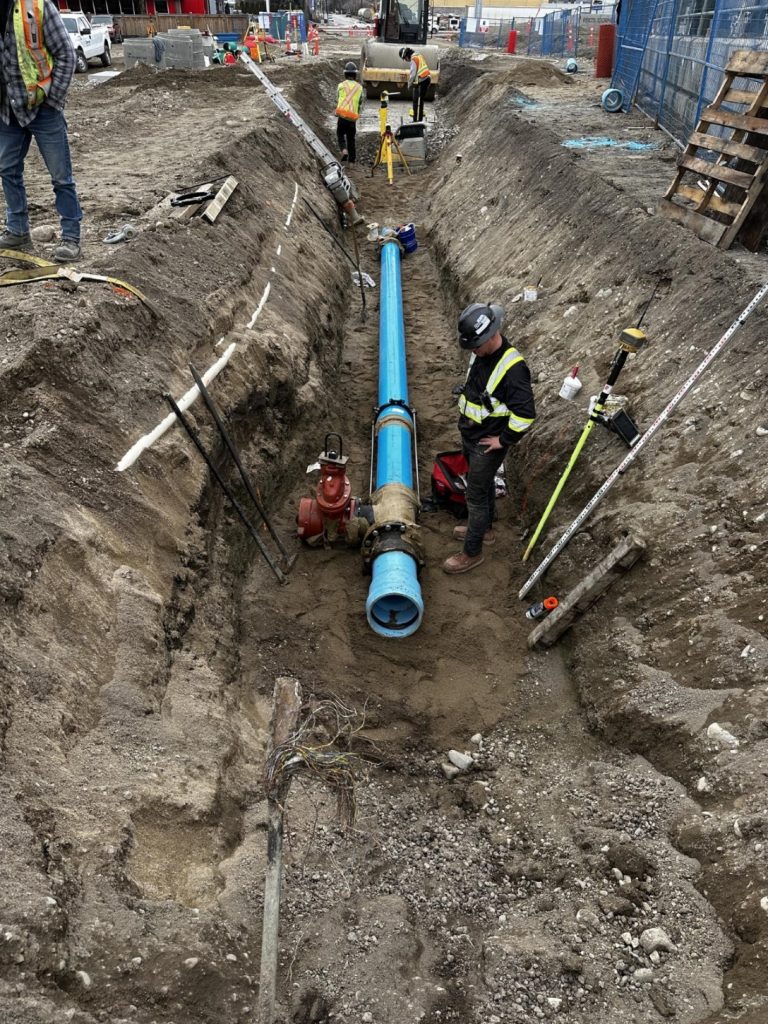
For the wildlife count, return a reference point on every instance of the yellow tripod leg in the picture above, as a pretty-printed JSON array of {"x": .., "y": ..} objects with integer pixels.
[
  {"x": 560, "y": 485},
  {"x": 390, "y": 168}
]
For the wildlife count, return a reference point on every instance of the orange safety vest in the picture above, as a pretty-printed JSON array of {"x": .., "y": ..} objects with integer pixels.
[
  {"x": 350, "y": 96},
  {"x": 422, "y": 68}
]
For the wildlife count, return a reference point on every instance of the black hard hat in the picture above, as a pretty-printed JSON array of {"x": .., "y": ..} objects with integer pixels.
[
  {"x": 478, "y": 324},
  {"x": 405, "y": 53},
  {"x": 350, "y": 68}
]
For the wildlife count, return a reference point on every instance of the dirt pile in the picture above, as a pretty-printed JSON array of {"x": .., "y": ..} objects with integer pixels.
[
  {"x": 684, "y": 644},
  {"x": 111, "y": 726}
]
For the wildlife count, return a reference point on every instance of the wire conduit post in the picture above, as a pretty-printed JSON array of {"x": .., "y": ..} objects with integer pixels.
[{"x": 394, "y": 606}]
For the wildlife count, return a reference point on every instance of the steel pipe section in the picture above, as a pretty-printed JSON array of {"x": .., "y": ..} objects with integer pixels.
[{"x": 394, "y": 606}]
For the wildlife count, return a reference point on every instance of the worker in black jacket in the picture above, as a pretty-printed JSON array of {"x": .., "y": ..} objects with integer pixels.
[{"x": 496, "y": 410}]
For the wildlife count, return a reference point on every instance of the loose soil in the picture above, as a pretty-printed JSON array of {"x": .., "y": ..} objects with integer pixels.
[{"x": 142, "y": 633}]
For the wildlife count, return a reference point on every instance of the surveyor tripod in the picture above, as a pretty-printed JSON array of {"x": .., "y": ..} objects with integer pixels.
[{"x": 389, "y": 148}]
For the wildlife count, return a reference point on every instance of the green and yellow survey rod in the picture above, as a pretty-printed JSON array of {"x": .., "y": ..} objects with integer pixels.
[{"x": 632, "y": 340}]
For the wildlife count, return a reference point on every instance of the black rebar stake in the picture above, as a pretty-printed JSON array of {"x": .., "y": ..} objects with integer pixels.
[
  {"x": 219, "y": 480},
  {"x": 232, "y": 449},
  {"x": 359, "y": 273},
  {"x": 334, "y": 239}
]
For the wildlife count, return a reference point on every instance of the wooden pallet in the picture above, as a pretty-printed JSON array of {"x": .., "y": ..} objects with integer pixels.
[{"x": 719, "y": 218}]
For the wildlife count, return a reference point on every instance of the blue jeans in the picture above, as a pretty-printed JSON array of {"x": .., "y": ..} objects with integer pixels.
[
  {"x": 481, "y": 493},
  {"x": 49, "y": 130}
]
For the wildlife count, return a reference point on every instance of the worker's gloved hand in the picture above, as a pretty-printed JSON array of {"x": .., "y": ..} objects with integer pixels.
[{"x": 458, "y": 390}]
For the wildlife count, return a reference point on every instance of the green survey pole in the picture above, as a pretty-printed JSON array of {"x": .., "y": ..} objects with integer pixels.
[{"x": 632, "y": 339}]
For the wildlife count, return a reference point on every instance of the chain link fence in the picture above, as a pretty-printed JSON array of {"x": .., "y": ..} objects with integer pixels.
[
  {"x": 555, "y": 34},
  {"x": 671, "y": 54}
]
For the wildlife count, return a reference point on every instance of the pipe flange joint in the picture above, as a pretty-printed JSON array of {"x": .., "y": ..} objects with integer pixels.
[
  {"x": 392, "y": 536},
  {"x": 399, "y": 402}
]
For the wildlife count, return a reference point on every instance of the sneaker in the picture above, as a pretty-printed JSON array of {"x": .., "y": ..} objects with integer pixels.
[
  {"x": 462, "y": 563},
  {"x": 460, "y": 532},
  {"x": 67, "y": 251},
  {"x": 8, "y": 240}
]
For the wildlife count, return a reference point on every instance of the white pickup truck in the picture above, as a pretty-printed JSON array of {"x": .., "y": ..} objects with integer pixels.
[{"x": 88, "y": 40}]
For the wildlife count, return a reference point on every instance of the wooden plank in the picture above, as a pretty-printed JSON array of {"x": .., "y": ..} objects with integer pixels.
[
  {"x": 674, "y": 186},
  {"x": 731, "y": 120},
  {"x": 752, "y": 196},
  {"x": 214, "y": 208},
  {"x": 717, "y": 171},
  {"x": 716, "y": 144},
  {"x": 748, "y": 63},
  {"x": 715, "y": 202},
  {"x": 754, "y": 228},
  {"x": 583, "y": 596},
  {"x": 189, "y": 211},
  {"x": 740, "y": 96},
  {"x": 702, "y": 226}
]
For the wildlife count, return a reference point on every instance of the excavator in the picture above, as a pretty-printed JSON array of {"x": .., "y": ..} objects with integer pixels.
[{"x": 398, "y": 23}]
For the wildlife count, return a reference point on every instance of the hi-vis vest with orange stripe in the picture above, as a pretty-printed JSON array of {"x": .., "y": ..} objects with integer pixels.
[
  {"x": 35, "y": 62},
  {"x": 422, "y": 68},
  {"x": 350, "y": 95}
]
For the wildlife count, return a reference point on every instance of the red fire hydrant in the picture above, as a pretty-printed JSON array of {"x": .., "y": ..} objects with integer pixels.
[{"x": 327, "y": 516}]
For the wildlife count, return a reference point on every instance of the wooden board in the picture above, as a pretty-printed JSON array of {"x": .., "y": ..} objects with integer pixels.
[
  {"x": 716, "y": 144},
  {"x": 709, "y": 230},
  {"x": 583, "y": 596},
  {"x": 731, "y": 120},
  {"x": 214, "y": 208},
  {"x": 717, "y": 171},
  {"x": 748, "y": 63},
  {"x": 714, "y": 202}
]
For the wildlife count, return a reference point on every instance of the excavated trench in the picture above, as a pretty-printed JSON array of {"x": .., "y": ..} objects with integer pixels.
[{"x": 144, "y": 634}]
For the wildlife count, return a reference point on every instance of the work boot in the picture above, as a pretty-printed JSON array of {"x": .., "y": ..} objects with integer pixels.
[
  {"x": 462, "y": 563},
  {"x": 460, "y": 533},
  {"x": 67, "y": 251},
  {"x": 8, "y": 240}
]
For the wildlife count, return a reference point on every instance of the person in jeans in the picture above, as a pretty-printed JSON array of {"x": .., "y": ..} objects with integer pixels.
[
  {"x": 496, "y": 410},
  {"x": 37, "y": 62}
]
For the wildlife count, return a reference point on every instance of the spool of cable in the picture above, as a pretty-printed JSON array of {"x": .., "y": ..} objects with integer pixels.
[{"x": 612, "y": 101}]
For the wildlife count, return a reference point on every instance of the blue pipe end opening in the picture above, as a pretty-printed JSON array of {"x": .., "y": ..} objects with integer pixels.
[{"x": 394, "y": 606}]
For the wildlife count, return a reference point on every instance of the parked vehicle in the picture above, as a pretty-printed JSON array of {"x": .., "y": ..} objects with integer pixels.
[
  {"x": 112, "y": 26},
  {"x": 88, "y": 41}
]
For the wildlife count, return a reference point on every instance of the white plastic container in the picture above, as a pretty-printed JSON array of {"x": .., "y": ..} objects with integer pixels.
[
  {"x": 530, "y": 293},
  {"x": 571, "y": 386}
]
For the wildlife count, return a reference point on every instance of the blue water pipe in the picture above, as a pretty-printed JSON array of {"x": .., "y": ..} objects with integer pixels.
[{"x": 394, "y": 606}]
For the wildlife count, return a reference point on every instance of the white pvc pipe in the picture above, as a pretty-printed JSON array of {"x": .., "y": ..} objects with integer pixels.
[{"x": 184, "y": 403}]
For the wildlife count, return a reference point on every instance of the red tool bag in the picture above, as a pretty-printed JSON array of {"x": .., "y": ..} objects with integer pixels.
[{"x": 449, "y": 482}]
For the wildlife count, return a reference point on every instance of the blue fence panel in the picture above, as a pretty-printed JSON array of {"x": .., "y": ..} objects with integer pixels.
[
  {"x": 634, "y": 29},
  {"x": 671, "y": 55},
  {"x": 485, "y": 34}
]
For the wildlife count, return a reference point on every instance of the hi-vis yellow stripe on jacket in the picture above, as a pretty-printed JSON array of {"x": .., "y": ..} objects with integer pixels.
[
  {"x": 480, "y": 411},
  {"x": 422, "y": 68},
  {"x": 350, "y": 95},
  {"x": 35, "y": 62}
]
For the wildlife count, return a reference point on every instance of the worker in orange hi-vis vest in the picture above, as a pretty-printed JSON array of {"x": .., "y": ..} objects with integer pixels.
[
  {"x": 418, "y": 78},
  {"x": 313, "y": 38},
  {"x": 348, "y": 108}
]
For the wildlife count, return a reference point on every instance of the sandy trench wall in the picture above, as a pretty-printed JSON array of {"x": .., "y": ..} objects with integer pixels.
[
  {"x": 681, "y": 644},
  {"x": 106, "y": 727}
]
